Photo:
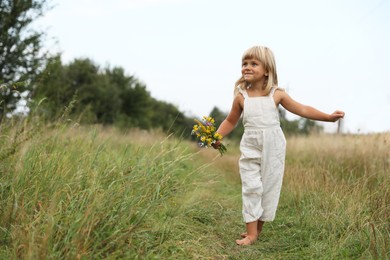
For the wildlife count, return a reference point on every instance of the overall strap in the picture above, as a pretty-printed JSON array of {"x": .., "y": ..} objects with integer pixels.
[
  {"x": 243, "y": 92},
  {"x": 273, "y": 89}
]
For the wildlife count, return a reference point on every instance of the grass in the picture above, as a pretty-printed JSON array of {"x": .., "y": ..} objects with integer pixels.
[{"x": 72, "y": 192}]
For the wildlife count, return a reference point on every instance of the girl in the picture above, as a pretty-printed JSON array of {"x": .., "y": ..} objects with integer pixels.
[{"x": 263, "y": 145}]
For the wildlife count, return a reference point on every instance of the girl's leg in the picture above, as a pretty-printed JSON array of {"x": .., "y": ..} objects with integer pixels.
[
  {"x": 259, "y": 226},
  {"x": 259, "y": 229},
  {"x": 251, "y": 230}
]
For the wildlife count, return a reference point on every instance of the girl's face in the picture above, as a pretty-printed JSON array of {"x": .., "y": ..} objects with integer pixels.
[{"x": 253, "y": 70}]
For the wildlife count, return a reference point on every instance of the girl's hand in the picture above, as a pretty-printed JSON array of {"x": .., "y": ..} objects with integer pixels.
[
  {"x": 216, "y": 145},
  {"x": 336, "y": 115}
]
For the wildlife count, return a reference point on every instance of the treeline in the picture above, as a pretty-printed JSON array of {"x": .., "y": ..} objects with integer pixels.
[
  {"x": 108, "y": 96},
  {"x": 102, "y": 96}
]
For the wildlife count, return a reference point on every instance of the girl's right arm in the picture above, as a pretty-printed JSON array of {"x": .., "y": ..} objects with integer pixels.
[{"x": 234, "y": 115}]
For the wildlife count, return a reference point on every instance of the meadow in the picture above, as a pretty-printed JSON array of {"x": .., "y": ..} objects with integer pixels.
[{"x": 91, "y": 192}]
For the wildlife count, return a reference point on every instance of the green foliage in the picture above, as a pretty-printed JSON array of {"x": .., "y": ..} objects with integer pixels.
[
  {"x": 21, "y": 55},
  {"x": 103, "y": 96},
  {"x": 59, "y": 84}
]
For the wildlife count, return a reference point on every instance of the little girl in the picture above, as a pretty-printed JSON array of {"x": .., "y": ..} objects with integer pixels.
[{"x": 263, "y": 145}]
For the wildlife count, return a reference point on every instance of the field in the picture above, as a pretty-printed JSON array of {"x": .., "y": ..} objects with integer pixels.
[{"x": 77, "y": 192}]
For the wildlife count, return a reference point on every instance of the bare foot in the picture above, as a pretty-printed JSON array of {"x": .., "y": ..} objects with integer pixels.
[
  {"x": 244, "y": 235},
  {"x": 248, "y": 240},
  {"x": 259, "y": 229}
]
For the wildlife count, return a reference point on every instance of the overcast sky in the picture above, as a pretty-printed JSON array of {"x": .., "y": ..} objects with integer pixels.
[{"x": 330, "y": 54}]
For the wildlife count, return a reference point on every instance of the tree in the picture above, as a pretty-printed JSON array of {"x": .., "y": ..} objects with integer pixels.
[
  {"x": 104, "y": 96},
  {"x": 168, "y": 117},
  {"x": 136, "y": 105},
  {"x": 97, "y": 93},
  {"x": 21, "y": 56}
]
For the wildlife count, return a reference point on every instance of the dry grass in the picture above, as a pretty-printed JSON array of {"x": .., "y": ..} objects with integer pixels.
[{"x": 341, "y": 185}]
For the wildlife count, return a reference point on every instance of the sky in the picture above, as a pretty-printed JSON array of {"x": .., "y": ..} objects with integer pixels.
[{"x": 330, "y": 54}]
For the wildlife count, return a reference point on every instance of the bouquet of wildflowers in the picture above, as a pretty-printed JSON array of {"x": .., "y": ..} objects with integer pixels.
[{"x": 205, "y": 132}]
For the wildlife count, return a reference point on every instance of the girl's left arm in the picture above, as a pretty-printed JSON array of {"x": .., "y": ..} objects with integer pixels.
[{"x": 307, "y": 111}]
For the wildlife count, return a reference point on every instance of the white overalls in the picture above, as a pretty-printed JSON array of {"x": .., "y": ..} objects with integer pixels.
[{"x": 263, "y": 150}]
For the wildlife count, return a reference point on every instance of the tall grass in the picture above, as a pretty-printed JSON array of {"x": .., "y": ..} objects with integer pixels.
[
  {"x": 72, "y": 192},
  {"x": 339, "y": 187}
]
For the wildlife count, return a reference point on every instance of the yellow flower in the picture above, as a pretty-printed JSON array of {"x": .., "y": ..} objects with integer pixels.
[
  {"x": 218, "y": 136},
  {"x": 201, "y": 125}
]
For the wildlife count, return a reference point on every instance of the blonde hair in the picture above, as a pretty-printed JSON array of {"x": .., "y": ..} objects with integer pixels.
[{"x": 266, "y": 57}]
